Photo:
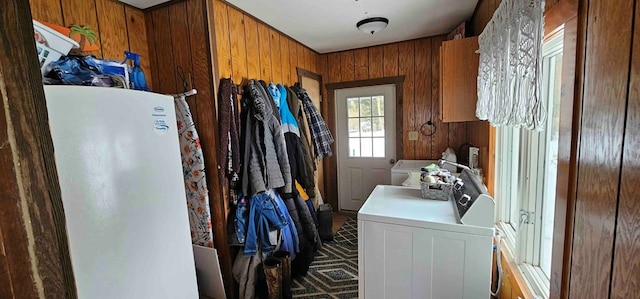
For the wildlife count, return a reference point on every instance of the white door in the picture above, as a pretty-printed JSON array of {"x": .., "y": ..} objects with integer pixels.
[{"x": 366, "y": 135}]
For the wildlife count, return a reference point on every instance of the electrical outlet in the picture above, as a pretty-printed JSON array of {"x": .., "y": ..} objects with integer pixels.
[{"x": 413, "y": 135}]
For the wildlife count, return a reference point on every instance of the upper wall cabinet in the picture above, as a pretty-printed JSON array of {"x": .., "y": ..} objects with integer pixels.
[{"x": 459, "y": 75}]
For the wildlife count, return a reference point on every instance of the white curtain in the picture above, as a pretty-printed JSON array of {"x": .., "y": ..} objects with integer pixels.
[{"x": 509, "y": 76}]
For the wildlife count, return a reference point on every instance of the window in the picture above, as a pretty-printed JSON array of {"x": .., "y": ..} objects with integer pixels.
[
  {"x": 365, "y": 118},
  {"x": 525, "y": 185}
]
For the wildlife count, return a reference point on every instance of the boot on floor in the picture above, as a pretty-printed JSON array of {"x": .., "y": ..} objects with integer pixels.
[
  {"x": 273, "y": 272},
  {"x": 285, "y": 261}
]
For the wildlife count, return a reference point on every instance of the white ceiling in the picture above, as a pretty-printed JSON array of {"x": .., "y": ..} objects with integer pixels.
[{"x": 330, "y": 25}]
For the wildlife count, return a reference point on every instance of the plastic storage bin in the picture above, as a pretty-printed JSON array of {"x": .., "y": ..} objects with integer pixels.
[
  {"x": 50, "y": 45},
  {"x": 437, "y": 191}
]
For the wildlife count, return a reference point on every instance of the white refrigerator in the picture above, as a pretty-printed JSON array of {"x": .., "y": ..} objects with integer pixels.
[{"x": 118, "y": 161}]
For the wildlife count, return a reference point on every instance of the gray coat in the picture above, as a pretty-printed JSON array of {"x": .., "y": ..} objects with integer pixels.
[{"x": 268, "y": 163}]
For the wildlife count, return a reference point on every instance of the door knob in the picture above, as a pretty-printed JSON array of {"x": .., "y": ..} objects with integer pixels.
[{"x": 392, "y": 161}]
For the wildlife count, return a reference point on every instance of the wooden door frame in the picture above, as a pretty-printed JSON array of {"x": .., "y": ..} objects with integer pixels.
[
  {"x": 34, "y": 253},
  {"x": 331, "y": 163}
]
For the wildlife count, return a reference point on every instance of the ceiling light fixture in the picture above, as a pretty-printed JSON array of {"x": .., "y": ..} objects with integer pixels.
[{"x": 372, "y": 25}]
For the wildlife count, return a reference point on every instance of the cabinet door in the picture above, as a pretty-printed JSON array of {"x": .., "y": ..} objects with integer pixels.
[
  {"x": 459, "y": 62},
  {"x": 408, "y": 262}
]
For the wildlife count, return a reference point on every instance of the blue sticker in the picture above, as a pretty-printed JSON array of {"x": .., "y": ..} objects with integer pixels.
[{"x": 160, "y": 127}]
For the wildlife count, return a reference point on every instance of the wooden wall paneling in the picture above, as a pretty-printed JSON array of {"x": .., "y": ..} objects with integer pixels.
[
  {"x": 293, "y": 59},
  {"x": 626, "y": 264},
  {"x": 82, "y": 13},
  {"x": 335, "y": 68},
  {"x": 376, "y": 69},
  {"x": 5, "y": 278},
  {"x": 138, "y": 40},
  {"x": 264, "y": 40},
  {"x": 323, "y": 70},
  {"x": 112, "y": 24},
  {"x": 285, "y": 61},
  {"x": 406, "y": 51},
  {"x": 223, "y": 42},
  {"x": 302, "y": 61},
  {"x": 32, "y": 222},
  {"x": 181, "y": 45},
  {"x": 153, "y": 53},
  {"x": 422, "y": 104},
  {"x": 390, "y": 58},
  {"x": 308, "y": 59},
  {"x": 164, "y": 51},
  {"x": 47, "y": 10},
  {"x": 347, "y": 66},
  {"x": 238, "y": 45},
  {"x": 276, "y": 57},
  {"x": 253, "y": 47},
  {"x": 361, "y": 63},
  {"x": 314, "y": 61},
  {"x": 607, "y": 51},
  {"x": 440, "y": 139}
]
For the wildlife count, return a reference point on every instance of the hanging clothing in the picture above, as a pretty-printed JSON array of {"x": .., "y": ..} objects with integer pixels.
[
  {"x": 279, "y": 95},
  {"x": 322, "y": 138},
  {"x": 195, "y": 182},
  {"x": 264, "y": 216},
  {"x": 229, "y": 125},
  {"x": 266, "y": 165},
  {"x": 306, "y": 175}
]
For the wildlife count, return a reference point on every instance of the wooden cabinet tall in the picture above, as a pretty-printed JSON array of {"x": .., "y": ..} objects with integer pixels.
[{"x": 459, "y": 73}]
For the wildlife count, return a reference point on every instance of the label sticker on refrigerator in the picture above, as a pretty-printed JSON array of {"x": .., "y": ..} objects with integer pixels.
[{"x": 160, "y": 127}]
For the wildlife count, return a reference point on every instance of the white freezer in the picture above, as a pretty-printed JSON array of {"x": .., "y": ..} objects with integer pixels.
[{"x": 120, "y": 172}]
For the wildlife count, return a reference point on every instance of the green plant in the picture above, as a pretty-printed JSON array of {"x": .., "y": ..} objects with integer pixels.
[{"x": 86, "y": 34}]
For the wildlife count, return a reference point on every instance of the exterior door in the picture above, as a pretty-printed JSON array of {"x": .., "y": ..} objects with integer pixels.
[{"x": 366, "y": 126}]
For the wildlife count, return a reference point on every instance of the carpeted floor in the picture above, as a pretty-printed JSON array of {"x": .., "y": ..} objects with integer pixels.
[{"x": 334, "y": 272}]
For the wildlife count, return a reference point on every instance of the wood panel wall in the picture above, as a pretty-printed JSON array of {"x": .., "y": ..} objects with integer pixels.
[
  {"x": 119, "y": 27},
  {"x": 249, "y": 48},
  {"x": 604, "y": 258},
  {"x": 419, "y": 61},
  {"x": 180, "y": 48}
]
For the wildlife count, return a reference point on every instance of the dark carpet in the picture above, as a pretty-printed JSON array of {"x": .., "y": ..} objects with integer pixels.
[{"x": 334, "y": 272}]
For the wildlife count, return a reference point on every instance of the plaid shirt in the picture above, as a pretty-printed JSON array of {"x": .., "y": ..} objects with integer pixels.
[{"x": 320, "y": 134}]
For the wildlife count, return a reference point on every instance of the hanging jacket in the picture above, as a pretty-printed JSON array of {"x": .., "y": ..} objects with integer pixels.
[
  {"x": 265, "y": 149},
  {"x": 295, "y": 106},
  {"x": 229, "y": 125},
  {"x": 320, "y": 134},
  {"x": 279, "y": 95}
]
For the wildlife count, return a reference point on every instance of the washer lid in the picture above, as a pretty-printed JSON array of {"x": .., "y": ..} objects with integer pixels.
[{"x": 405, "y": 206}]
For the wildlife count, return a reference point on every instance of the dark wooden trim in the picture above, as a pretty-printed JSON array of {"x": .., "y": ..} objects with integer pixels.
[
  {"x": 309, "y": 74},
  {"x": 36, "y": 261},
  {"x": 217, "y": 194},
  {"x": 331, "y": 163},
  {"x": 363, "y": 83}
]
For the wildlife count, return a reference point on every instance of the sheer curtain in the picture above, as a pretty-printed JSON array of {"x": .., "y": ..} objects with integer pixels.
[{"x": 509, "y": 87}]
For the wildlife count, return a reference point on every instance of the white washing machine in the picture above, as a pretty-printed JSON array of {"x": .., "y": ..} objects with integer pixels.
[
  {"x": 411, "y": 247},
  {"x": 400, "y": 171}
]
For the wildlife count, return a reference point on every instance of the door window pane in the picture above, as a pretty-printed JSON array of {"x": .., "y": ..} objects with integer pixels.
[
  {"x": 367, "y": 147},
  {"x": 354, "y": 147},
  {"x": 365, "y": 106},
  {"x": 378, "y": 147},
  {"x": 353, "y": 107},
  {"x": 377, "y": 106},
  {"x": 354, "y": 127},
  {"x": 378, "y": 126},
  {"x": 365, "y": 127}
]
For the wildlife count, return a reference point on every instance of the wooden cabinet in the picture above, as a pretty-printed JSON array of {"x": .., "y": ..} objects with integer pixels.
[{"x": 458, "y": 75}]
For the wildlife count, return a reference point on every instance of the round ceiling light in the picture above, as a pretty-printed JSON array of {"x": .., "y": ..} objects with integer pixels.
[{"x": 372, "y": 25}]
